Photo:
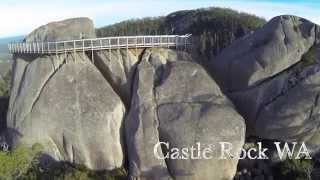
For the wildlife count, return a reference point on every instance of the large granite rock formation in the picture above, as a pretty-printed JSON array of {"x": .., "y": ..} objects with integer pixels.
[
  {"x": 74, "y": 106},
  {"x": 176, "y": 101},
  {"x": 272, "y": 76},
  {"x": 66, "y": 104}
]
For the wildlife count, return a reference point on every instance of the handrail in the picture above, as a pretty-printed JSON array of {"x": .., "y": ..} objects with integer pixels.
[{"x": 93, "y": 44}]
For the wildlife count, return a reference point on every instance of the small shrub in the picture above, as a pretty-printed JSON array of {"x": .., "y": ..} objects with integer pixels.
[
  {"x": 15, "y": 163},
  {"x": 67, "y": 171},
  {"x": 22, "y": 164},
  {"x": 4, "y": 88},
  {"x": 295, "y": 169}
]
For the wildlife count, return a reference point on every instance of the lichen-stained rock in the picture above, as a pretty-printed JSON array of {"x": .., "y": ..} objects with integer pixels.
[
  {"x": 69, "y": 29},
  {"x": 182, "y": 106},
  {"x": 272, "y": 78},
  {"x": 64, "y": 103}
]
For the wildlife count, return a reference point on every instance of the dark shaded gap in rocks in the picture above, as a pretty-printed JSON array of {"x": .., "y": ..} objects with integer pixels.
[
  {"x": 104, "y": 70},
  {"x": 106, "y": 73},
  {"x": 159, "y": 72},
  {"x": 4, "y": 104},
  {"x": 134, "y": 75},
  {"x": 312, "y": 114},
  {"x": 124, "y": 135}
]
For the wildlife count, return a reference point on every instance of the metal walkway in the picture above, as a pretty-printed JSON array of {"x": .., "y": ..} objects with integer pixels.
[{"x": 107, "y": 43}]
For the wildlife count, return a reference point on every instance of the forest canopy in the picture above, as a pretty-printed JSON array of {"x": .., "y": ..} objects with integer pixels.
[{"x": 214, "y": 28}]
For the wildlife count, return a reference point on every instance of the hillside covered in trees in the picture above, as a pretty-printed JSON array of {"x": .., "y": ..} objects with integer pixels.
[{"x": 212, "y": 28}]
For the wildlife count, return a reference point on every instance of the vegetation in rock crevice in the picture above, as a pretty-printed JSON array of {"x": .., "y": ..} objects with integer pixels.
[
  {"x": 310, "y": 57},
  {"x": 294, "y": 169}
]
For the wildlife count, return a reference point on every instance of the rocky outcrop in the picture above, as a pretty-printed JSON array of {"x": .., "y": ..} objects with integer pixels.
[
  {"x": 74, "y": 104},
  {"x": 268, "y": 51},
  {"x": 70, "y": 29},
  {"x": 176, "y": 101},
  {"x": 65, "y": 103},
  {"x": 272, "y": 76}
]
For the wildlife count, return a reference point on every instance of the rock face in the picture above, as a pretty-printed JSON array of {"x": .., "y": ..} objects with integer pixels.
[
  {"x": 272, "y": 76},
  {"x": 66, "y": 104},
  {"x": 70, "y": 29},
  {"x": 175, "y": 101}
]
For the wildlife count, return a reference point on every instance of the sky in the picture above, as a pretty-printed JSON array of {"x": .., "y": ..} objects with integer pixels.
[{"x": 19, "y": 17}]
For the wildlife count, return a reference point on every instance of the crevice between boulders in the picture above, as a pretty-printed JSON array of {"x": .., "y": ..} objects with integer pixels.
[
  {"x": 134, "y": 74},
  {"x": 106, "y": 73},
  {"x": 128, "y": 108},
  {"x": 157, "y": 82}
]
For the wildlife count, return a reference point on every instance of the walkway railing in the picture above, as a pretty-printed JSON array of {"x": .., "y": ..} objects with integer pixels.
[{"x": 121, "y": 42}]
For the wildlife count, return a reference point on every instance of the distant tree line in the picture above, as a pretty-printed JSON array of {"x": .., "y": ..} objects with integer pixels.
[
  {"x": 145, "y": 26},
  {"x": 213, "y": 28}
]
